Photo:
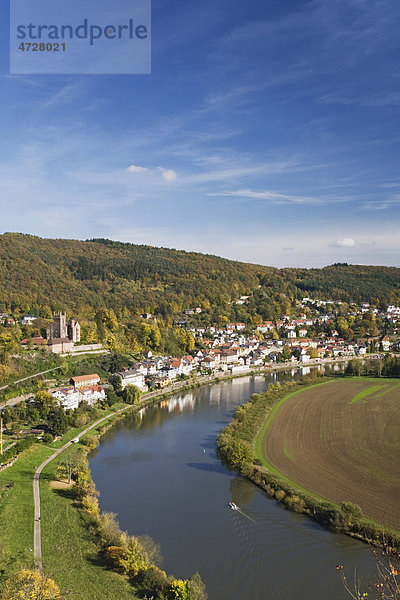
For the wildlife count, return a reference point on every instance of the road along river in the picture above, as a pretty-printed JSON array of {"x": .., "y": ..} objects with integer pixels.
[{"x": 158, "y": 470}]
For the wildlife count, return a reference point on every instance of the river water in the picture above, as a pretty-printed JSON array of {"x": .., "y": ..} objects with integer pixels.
[{"x": 158, "y": 470}]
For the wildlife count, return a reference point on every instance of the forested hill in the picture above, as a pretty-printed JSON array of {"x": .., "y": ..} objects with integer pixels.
[
  {"x": 101, "y": 273},
  {"x": 69, "y": 274}
]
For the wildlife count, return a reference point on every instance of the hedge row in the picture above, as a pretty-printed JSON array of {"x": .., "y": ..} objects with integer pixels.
[{"x": 9, "y": 455}]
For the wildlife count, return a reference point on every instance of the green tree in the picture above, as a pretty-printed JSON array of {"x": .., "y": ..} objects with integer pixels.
[
  {"x": 58, "y": 422},
  {"x": 135, "y": 558},
  {"x": 44, "y": 402},
  {"x": 131, "y": 394},
  {"x": 8, "y": 345},
  {"x": 197, "y": 589}
]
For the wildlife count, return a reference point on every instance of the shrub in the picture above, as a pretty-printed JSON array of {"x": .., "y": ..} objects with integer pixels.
[
  {"x": 113, "y": 556},
  {"x": 109, "y": 530},
  {"x": 31, "y": 585},
  {"x": 280, "y": 494},
  {"x": 296, "y": 503},
  {"x": 153, "y": 580},
  {"x": 91, "y": 441}
]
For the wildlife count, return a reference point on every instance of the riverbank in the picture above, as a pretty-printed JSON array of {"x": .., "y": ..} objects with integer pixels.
[
  {"x": 71, "y": 552},
  {"x": 19, "y": 552},
  {"x": 240, "y": 444}
]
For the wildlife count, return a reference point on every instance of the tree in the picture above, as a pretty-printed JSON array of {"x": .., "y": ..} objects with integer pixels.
[
  {"x": 8, "y": 345},
  {"x": 69, "y": 468},
  {"x": 111, "y": 396},
  {"x": 31, "y": 585},
  {"x": 179, "y": 589},
  {"x": 58, "y": 422},
  {"x": 385, "y": 583},
  {"x": 286, "y": 355},
  {"x": 197, "y": 589},
  {"x": 131, "y": 394},
  {"x": 44, "y": 402},
  {"x": 135, "y": 558},
  {"x": 116, "y": 381}
]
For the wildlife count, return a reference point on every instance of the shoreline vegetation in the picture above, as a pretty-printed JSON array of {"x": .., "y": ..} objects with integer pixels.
[
  {"x": 73, "y": 509},
  {"x": 240, "y": 443},
  {"x": 62, "y": 512}
]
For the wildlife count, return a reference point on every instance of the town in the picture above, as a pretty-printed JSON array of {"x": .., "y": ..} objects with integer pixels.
[{"x": 311, "y": 337}]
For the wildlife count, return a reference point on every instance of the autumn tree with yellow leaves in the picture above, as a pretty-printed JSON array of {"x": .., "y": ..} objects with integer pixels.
[{"x": 31, "y": 585}]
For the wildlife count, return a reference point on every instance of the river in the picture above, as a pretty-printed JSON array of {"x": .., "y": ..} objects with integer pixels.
[{"x": 158, "y": 470}]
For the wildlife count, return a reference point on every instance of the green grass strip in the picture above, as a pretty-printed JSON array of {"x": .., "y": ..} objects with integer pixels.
[
  {"x": 364, "y": 393},
  {"x": 70, "y": 554}
]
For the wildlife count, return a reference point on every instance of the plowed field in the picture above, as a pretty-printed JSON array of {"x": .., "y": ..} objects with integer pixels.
[{"x": 341, "y": 440}]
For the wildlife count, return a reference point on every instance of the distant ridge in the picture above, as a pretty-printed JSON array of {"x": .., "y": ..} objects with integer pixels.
[{"x": 62, "y": 273}]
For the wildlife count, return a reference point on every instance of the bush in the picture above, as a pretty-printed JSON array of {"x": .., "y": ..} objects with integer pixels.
[
  {"x": 113, "y": 556},
  {"x": 296, "y": 503},
  {"x": 109, "y": 530},
  {"x": 153, "y": 580},
  {"x": 90, "y": 440}
]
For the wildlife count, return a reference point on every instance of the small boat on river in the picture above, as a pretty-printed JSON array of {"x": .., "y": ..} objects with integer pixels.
[{"x": 232, "y": 505}]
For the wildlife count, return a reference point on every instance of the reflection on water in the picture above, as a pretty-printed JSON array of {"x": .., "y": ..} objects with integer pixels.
[
  {"x": 159, "y": 471},
  {"x": 242, "y": 491}
]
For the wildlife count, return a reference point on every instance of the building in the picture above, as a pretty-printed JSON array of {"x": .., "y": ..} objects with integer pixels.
[
  {"x": 35, "y": 341},
  {"x": 59, "y": 329},
  {"x": 133, "y": 377},
  {"x": 91, "y": 394},
  {"x": 60, "y": 345},
  {"x": 71, "y": 397},
  {"x": 68, "y": 397},
  {"x": 74, "y": 330},
  {"x": 85, "y": 380}
]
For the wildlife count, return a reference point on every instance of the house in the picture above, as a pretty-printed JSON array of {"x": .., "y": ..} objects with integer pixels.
[
  {"x": 302, "y": 332},
  {"x": 162, "y": 382},
  {"x": 265, "y": 327},
  {"x": 84, "y": 380},
  {"x": 385, "y": 344},
  {"x": 91, "y": 394},
  {"x": 28, "y": 320},
  {"x": 68, "y": 398},
  {"x": 133, "y": 377},
  {"x": 304, "y": 357},
  {"x": 229, "y": 357},
  {"x": 36, "y": 341}
]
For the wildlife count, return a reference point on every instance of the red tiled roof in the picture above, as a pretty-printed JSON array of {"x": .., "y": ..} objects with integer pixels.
[{"x": 85, "y": 377}]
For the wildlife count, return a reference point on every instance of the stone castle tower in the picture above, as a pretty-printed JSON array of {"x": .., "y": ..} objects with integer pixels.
[
  {"x": 74, "y": 331},
  {"x": 59, "y": 329}
]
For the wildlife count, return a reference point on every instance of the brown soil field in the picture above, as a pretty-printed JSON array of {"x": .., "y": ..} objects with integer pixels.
[{"x": 341, "y": 440}]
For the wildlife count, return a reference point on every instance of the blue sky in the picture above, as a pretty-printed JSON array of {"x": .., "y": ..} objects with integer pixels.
[{"x": 268, "y": 131}]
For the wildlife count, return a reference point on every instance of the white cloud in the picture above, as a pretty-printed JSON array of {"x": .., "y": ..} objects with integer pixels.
[
  {"x": 345, "y": 242},
  {"x": 276, "y": 197},
  {"x": 168, "y": 174},
  {"x": 136, "y": 169}
]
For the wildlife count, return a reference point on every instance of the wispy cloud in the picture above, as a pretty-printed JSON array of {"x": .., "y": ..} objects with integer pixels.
[{"x": 275, "y": 197}]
